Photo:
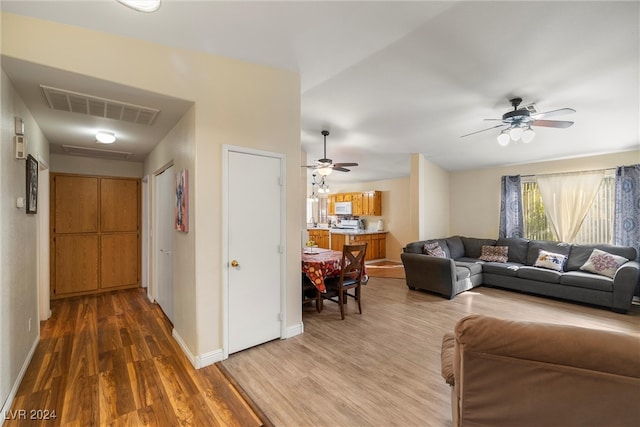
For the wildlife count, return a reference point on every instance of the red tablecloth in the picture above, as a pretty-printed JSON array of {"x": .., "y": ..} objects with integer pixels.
[{"x": 321, "y": 264}]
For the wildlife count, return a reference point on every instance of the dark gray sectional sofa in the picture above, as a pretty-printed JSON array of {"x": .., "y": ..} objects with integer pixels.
[{"x": 462, "y": 270}]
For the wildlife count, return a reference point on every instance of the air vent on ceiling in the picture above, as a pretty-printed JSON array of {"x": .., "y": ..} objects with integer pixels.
[
  {"x": 74, "y": 102},
  {"x": 94, "y": 152}
]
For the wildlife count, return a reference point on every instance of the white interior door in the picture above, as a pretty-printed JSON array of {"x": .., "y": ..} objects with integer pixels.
[
  {"x": 165, "y": 196},
  {"x": 255, "y": 249}
]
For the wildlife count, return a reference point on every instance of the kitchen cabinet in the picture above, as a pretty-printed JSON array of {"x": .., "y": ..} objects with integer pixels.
[
  {"x": 372, "y": 203},
  {"x": 376, "y": 243},
  {"x": 366, "y": 203},
  {"x": 321, "y": 237},
  {"x": 338, "y": 241}
]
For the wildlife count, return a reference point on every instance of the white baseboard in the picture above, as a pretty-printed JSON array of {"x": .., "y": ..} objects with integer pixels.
[
  {"x": 201, "y": 360},
  {"x": 7, "y": 404},
  {"x": 294, "y": 330}
]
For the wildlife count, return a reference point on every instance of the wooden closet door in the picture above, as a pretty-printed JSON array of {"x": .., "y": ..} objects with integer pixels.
[
  {"x": 119, "y": 225},
  {"x": 76, "y": 263},
  {"x": 75, "y": 204}
]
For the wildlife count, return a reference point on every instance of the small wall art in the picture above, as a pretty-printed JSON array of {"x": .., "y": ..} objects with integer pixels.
[
  {"x": 182, "y": 201},
  {"x": 32, "y": 185}
]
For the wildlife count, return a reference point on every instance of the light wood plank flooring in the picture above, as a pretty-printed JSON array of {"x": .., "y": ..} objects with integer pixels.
[
  {"x": 110, "y": 360},
  {"x": 382, "y": 368}
]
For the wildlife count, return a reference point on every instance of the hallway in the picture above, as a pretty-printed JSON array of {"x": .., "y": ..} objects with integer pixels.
[{"x": 110, "y": 359}]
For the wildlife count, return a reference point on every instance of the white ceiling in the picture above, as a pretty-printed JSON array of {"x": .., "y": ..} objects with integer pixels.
[{"x": 389, "y": 78}]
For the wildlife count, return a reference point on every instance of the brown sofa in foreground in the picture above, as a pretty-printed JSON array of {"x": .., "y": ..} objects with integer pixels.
[{"x": 508, "y": 373}]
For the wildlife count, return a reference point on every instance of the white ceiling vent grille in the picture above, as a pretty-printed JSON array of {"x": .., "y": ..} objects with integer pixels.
[
  {"x": 94, "y": 152},
  {"x": 74, "y": 102}
]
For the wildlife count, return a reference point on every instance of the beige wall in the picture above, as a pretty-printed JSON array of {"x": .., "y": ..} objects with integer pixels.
[
  {"x": 475, "y": 195},
  {"x": 430, "y": 199},
  {"x": 18, "y": 242},
  {"x": 235, "y": 103},
  {"x": 64, "y": 163}
]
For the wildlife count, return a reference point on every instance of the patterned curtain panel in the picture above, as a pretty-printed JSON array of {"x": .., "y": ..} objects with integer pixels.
[
  {"x": 626, "y": 220},
  {"x": 511, "y": 219}
]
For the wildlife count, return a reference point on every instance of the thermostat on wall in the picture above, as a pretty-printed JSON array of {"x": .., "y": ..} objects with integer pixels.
[
  {"x": 19, "y": 126},
  {"x": 20, "y": 147}
]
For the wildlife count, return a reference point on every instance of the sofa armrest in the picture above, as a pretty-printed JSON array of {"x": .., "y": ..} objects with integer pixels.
[
  {"x": 429, "y": 273},
  {"x": 524, "y": 374},
  {"x": 446, "y": 358},
  {"x": 624, "y": 285}
]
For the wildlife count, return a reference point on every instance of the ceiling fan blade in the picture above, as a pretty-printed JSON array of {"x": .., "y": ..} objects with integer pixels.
[
  {"x": 339, "y": 165},
  {"x": 341, "y": 169},
  {"x": 553, "y": 113},
  {"x": 552, "y": 123},
  {"x": 483, "y": 130}
]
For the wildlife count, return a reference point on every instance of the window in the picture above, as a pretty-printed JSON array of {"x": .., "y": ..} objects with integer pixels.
[{"x": 597, "y": 226}]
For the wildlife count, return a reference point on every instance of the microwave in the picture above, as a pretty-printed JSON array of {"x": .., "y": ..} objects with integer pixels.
[{"x": 343, "y": 208}]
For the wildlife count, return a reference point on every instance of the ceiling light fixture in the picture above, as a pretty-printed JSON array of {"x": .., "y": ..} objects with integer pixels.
[
  {"x": 518, "y": 131},
  {"x": 105, "y": 137},
  {"x": 141, "y": 5}
]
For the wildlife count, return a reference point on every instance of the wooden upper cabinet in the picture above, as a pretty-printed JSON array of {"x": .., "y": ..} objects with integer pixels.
[
  {"x": 372, "y": 203},
  {"x": 356, "y": 204},
  {"x": 75, "y": 204},
  {"x": 119, "y": 204},
  {"x": 331, "y": 204}
]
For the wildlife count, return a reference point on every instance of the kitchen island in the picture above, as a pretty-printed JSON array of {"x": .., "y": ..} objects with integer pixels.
[{"x": 336, "y": 238}]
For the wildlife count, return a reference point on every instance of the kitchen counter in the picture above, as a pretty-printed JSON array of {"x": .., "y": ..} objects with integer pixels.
[{"x": 350, "y": 232}]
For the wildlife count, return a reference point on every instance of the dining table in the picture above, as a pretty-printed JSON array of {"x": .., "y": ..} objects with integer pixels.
[{"x": 319, "y": 264}]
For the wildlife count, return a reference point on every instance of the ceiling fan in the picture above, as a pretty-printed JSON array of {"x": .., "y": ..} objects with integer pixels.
[
  {"x": 326, "y": 166},
  {"x": 517, "y": 123}
]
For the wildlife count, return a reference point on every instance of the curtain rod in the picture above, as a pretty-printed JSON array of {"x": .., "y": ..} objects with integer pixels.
[{"x": 565, "y": 173}]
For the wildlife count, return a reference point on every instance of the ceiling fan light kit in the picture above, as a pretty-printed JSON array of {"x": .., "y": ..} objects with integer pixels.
[
  {"x": 147, "y": 6},
  {"x": 519, "y": 121}
]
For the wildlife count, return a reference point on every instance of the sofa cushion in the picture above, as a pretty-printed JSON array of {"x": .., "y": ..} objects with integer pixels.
[
  {"x": 580, "y": 254},
  {"x": 504, "y": 269},
  {"x": 434, "y": 249},
  {"x": 539, "y": 274},
  {"x": 456, "y": 247},
  {"x": 462, "y": 273},
  {"x": 473, "y": 246},
  {"x": 587, "y": 280},
  {"x": 494, "y": 253},
  {"x": 550, "y": 260},
  {"x": 418, "y": 247},
  {"x": 474, "y": 267},
  {"x": 603, "y": 263},
  {"x": 536, "y": 245},
  {"x": 517, "y": 248}
]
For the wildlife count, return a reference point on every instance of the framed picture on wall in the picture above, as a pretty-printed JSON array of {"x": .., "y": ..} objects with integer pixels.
[
  {"x": 32, "y": 185},
  {"x": 182, "y": 201}
]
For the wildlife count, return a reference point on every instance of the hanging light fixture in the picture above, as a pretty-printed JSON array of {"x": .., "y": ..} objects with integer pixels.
[
  {"x": 105, "y": 137},
  {"x": 517, "y": 131},
  {"x": 323, "y": 188},
  {"x": 141, "y": 5}
]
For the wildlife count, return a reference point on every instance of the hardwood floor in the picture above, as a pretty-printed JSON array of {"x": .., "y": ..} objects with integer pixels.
[
  {"x": 110, "y": 360},
  {"x": 382, "y": 368}
]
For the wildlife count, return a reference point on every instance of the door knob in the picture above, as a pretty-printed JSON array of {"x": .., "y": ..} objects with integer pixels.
[{"x": 234, "y": 263}]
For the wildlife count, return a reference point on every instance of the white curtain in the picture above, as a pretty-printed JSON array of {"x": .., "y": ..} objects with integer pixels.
[{"x": 567, "y": 199}]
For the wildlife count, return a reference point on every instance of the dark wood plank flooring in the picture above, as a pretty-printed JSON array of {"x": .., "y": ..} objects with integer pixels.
[{"x": 110, "y": 359}]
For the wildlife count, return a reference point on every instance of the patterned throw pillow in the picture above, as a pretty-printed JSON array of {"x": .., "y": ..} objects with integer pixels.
[
  {"x": 550, "y": 260},
  {"x": 603, "y": 263},
  {"x": 434, "y": 249},
  {"x": 494, "y": 253}
]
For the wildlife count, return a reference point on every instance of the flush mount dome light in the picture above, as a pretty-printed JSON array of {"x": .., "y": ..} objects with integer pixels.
[
  {"x": 141, "y": 5},
  {"x": 105, "y": 137}
]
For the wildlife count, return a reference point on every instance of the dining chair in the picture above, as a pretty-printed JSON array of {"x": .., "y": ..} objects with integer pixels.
[
  {"x": 310, "y": 293},
  {"x": 351, "y": 274}
]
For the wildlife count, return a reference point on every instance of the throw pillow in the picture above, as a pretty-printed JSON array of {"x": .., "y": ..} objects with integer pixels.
[
  {"x": 494, "y": 253},
  {"x": 550, "y": 260},
  {"x": 434, "y": 249},
  {"x": 603, "y": 263}
]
